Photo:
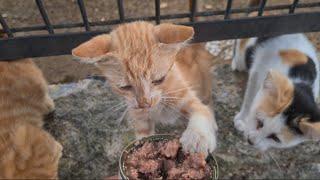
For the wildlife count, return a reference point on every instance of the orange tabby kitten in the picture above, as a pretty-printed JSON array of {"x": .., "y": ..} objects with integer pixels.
[
  {"x": 26, "y": 150},
  {"x": 151, "y": 67}
]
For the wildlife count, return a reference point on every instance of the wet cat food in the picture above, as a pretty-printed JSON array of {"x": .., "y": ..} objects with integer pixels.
[{"x": 165, "y": 160}]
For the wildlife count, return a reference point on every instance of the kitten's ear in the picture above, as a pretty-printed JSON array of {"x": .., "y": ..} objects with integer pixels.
[
  {"x": 92, "y": 50},
  {"x": 170, "y": 33},
  {"x": 310, "y": 130},
  {"x": 279, "y": 88},
  {"x": 269, "y": 83},
  {"x": 276, "y": 81}
]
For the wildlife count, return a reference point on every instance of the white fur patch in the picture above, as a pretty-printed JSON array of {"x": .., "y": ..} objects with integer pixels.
[
  {"x": 200, "y": 135},
  {"x": 267, "y": 57}
]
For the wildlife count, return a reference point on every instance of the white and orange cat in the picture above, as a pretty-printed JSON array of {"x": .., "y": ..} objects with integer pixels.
[
  {"x": 160, "y": 76},
  {"x": 279, "y": 108},
  {"x": 26, "y": 150}
]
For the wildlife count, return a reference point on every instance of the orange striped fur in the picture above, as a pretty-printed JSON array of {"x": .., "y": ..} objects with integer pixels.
[
  {"x": 153, "y": 68},
  {"x": 26, "y": 150}
]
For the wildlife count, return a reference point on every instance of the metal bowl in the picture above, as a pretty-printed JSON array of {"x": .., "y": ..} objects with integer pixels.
[{"x": 159, "y": 137}]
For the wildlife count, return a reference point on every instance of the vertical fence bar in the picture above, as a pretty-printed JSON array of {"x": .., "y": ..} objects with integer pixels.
[
  {"x": 120, "y": 10},
  {"x": 44, "y": 16},
  {"x": 5, "y": 26},
  {"x": 293, "y": 6},
  {"x": 84, "y": 15},
  {"x": 261, "y": 7},
  {"x": 192, "y": 9},
  {"x": 157, "y": 8},
  {"x": 228, "y": 10}
]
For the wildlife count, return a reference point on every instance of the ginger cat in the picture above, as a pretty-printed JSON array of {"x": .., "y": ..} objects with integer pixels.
[
  {"x": 159, "y": 76},
  {"x": 26, "y": 150}
]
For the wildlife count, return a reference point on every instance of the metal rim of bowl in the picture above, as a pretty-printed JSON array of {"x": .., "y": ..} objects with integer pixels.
[{"x": 214, "y": 165}]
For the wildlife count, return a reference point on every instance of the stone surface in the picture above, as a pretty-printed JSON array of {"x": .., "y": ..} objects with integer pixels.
[{"x": 86, "y": 123}]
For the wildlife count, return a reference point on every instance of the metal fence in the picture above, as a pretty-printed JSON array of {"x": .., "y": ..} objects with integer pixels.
[{"x": 228, "y": 28}]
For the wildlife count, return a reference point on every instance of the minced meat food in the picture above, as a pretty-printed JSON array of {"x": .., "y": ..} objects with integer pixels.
[{"x": 165, "y": 160}]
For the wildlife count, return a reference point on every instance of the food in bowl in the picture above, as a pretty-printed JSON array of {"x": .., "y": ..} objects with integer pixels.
[{"x": 165, "y": 160}]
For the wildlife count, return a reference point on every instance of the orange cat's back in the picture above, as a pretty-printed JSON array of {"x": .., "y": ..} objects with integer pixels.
[
  {"x": 26, "y": 150},
  {"x": 23, "y": 93},
  {"x": 29, "y": 152},
  {"x": 195, "y": 63}
]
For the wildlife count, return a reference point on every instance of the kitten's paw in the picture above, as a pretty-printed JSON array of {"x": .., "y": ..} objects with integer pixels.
[
  {"x": 234, "y": 64},
  {"x": 239, "y": 123},
  {"x": 197, "y": 140}
]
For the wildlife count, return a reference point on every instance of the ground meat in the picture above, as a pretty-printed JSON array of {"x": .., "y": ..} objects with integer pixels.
[
  {"x": 168, "y": 164},
  {"x": 175, "y": 173},
  {"x": 165, "y": 160},
  {"x": 196, "y": 161},
  {"x": 194, "y": 174},
  {"x": 170, "y": 149},
  {"x": 133, "y": 173},
  {"x": 149, "y": 166},
  {"x": 146, "y": 151}
]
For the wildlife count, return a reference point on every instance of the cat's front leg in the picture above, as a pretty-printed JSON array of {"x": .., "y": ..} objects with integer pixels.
[
  {"x": 200, "y": 135},
  {"x": 251, "y": 91},
  {"x": 143, "y": 125},
  {"x": 238, "y": 61},
  {"x": 239, "y": 121}
]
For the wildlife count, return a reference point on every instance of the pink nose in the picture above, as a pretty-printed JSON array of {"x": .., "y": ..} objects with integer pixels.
[{"x": 144, "y": 102}]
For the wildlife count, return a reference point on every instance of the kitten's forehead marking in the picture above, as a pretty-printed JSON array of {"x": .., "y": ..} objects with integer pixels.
[
  {"x": 134, "y": 44},
  {"x": 293, "y": 57},
  {"x": 133, "y": 40},
  {"x": 282, "y": 96}
]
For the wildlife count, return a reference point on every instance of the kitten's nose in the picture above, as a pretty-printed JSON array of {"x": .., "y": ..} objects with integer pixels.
[{"x": 144, "y": 102}]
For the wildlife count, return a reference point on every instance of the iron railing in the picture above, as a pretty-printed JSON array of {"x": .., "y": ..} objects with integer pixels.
[{"x": 229, "y": 28}]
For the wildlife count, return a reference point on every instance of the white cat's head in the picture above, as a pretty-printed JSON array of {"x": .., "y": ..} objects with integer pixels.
[{"x": 283, "y": 114}]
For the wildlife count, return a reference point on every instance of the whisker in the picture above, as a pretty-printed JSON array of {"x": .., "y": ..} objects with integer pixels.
[
  {"x": 276, "y": 162},
  {"x": 175, "y": 91},
  {"x": 180, "y": 89},
  {"x": 120, "y": 107},
  {"x": 119, "y": 121},
  {"x": 174, "y": 109},
  {"x": 115, "y": 106},
  {"x": 170, "y": 97}
]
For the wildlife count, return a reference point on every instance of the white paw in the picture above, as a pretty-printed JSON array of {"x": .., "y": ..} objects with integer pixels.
[
  {"x": 239, "y": 123},
  {"x": 234, "y": 64},
  {"x": 199, "y": 140},
  {"x": 238, "y": 65}
]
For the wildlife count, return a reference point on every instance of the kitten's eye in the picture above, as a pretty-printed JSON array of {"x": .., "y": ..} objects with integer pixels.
[
  {"x": 159, "y": 81},
  {"x": 126, "y": 88},
  {"x": 259, "y": 124},
  {"x": 274, "y": 137}
]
